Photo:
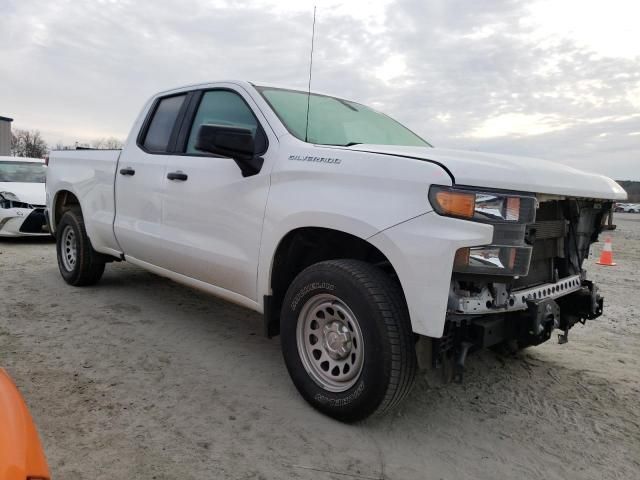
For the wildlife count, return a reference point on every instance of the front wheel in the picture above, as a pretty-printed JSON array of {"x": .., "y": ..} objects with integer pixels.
[
  {"x": 78, "y": 262},
  {"x": 347, "y": 339}
]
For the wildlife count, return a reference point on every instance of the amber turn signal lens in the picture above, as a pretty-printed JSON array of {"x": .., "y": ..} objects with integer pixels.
[
  {"x": 462, "y": 258},
  {"x": 513, "y": 209},
  {"x": 458, "y": 204}
]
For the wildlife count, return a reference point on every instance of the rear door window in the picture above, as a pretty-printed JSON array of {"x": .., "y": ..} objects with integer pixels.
[{"x": 164, "y": 118}]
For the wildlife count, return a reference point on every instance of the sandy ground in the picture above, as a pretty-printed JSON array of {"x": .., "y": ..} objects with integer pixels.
[{"x": 141, "y": 378}]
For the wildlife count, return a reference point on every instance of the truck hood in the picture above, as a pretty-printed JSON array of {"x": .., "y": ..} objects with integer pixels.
[
  {"x": 509, "y": 172},
  {"x": 33, "y": 193}
]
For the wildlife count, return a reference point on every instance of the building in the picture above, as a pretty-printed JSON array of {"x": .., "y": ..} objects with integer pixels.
[{"x": 5, "y": 135}]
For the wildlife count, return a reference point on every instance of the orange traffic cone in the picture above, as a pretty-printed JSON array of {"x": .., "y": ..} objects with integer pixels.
[{"x": 606, "y": 256}]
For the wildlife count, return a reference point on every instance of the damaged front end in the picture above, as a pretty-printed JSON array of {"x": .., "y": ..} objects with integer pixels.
[
  {"x": 19, "y": 218},
  {"x": 527, "y": 283}
]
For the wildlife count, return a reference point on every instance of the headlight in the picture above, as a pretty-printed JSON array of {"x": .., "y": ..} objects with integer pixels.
[
  {"x": 9, "y": 196},
  {"x": 11, "y": 200},
  {"x": 479, "y": 206},
  {"x": 5, "y": 199},
  {"x": 509, "y": 213},
  {"x": 493, "y": 260}
]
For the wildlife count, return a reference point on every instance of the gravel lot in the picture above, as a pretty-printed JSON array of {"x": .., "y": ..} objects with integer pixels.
[{"x": 141, "y": 378}]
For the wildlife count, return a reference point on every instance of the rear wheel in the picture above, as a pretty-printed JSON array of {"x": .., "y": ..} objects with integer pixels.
[
  {"x": 347, "y": 339},
  {"x": 78, "y": 262}
]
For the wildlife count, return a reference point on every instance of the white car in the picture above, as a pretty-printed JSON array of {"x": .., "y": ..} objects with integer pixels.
[
  {"x": 367, "y": 249},
  {"x": 628, "y": 207},
  {"x": 22, "y": 197}
]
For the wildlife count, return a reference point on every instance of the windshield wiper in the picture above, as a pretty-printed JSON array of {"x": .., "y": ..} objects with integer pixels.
[
  {"x": 350, "y": 107},
  {"x": 350, "y": 144}
]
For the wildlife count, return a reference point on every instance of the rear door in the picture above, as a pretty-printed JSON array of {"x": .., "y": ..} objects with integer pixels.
[
  {"x": 140, "y": 181},
  {"x": 213, "y": 216}
]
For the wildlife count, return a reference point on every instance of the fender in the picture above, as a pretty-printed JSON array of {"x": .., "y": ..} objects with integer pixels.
[{"x": 272, "y": 238}]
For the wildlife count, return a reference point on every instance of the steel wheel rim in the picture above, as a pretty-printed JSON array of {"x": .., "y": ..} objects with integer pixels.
[
  {"x": 330, "y": 343},
  {"x": 69, "y": 248}
]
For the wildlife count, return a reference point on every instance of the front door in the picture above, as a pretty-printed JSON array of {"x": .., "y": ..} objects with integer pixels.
[{"x": 212, "y": 215}]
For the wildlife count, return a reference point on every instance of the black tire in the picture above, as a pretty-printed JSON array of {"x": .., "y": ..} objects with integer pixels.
[
  {"x": 389, "y": 359},
  {"x": 88, "y": 267}
]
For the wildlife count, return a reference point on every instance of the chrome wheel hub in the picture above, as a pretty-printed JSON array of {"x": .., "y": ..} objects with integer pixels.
[
  {"x": 69, "y": 249},
  {"x": 330, "y": 343}
]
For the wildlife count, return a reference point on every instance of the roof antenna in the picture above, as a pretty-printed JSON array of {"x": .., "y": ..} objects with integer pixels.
[{"x": 313, "y": 34}]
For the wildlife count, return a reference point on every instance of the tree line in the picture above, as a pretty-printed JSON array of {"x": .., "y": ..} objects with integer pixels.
[{"x": 29, "y": 143}]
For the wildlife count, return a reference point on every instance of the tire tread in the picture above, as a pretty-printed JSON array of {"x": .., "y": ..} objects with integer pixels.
[
  {"x": 386, "y": 294},
  {"x": 91, "y": 264}
]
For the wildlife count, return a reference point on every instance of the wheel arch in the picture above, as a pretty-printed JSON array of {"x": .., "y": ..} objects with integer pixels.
[
  {"x": 304, "y": 246},
  {"x": 62, "y": 201}
]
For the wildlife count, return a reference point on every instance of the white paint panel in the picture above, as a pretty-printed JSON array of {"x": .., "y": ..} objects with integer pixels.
[
  {"x": 421, "y": 252},
  {"x": 508, "y": 172}
]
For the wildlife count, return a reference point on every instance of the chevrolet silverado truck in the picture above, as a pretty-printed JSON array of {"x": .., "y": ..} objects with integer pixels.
[{"x": 370, "y": 252}]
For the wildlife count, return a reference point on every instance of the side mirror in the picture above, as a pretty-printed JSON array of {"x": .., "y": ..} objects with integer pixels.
[{"x": 233, "y": 142}]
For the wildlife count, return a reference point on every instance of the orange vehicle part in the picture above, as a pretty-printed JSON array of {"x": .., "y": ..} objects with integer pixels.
[{"x": 21, "y": 455}]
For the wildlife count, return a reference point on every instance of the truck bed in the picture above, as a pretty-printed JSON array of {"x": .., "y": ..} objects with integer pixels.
[{"x": 90, "y": 175}]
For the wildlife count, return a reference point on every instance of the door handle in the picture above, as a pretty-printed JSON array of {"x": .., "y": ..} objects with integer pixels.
[
  {"x": 127, "y": 171},
  {"x": 177, "y": 176}
]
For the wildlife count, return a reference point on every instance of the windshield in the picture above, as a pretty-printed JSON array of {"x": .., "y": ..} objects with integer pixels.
[
  {"x": 26, "y": 172},
  {"x": 333, "y": 121}
]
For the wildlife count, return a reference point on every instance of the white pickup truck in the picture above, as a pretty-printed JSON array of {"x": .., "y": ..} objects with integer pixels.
[{"x": 367, "y": 250}]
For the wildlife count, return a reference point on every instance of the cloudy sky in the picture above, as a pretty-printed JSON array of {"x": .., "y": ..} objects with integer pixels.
[{"x": 554, "y": 79}]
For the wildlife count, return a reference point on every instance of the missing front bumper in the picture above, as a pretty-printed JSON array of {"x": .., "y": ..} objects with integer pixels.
[
  {"x": 532, "y": 326},
  {"x": 499, "y": 300}
]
